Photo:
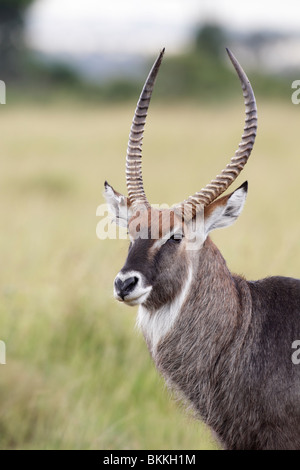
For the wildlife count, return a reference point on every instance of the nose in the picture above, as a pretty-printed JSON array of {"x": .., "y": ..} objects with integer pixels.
[{"x": 123, "y": 287}]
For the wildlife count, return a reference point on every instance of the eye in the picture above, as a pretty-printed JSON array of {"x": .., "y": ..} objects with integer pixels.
[{"x": 176, "y": 238}]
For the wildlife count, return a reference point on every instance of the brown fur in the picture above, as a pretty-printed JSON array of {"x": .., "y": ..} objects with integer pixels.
[{"x": 222, "y": 342}]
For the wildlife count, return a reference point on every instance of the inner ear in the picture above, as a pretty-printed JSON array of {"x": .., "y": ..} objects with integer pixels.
[
  {"x": 224, "y": 211},
  {"x": 118, "y": 204}
]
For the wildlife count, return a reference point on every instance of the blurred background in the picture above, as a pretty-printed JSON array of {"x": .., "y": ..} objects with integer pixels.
[{"x": 78, "y": 374}]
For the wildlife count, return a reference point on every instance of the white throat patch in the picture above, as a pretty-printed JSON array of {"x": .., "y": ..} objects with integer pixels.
[{"x": 156, "y": 325}]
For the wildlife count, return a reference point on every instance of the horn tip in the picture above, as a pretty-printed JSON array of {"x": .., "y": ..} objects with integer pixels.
[
  {"x": 161, "y": 54},
  {"x": 230, "y": 54}
]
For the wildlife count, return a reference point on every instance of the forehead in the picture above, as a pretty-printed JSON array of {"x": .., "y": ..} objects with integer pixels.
[{"x": 153, "y": 223}]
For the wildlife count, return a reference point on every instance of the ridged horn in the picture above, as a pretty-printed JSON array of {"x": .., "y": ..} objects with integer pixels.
[
  {"x": 134, "y": 178},
  {"x": 222, "y": 181}
]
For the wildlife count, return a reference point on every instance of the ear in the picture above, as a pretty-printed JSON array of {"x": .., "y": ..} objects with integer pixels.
[
  {"x": 118, "y": 205},
  {"x": 224, "y": 211}
]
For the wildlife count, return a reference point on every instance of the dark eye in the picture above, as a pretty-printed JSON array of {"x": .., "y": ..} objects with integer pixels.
[{"x": 176, "y": 238}]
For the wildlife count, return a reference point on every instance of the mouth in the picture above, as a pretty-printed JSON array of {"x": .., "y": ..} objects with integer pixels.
[{"x": 134, "y": 299}]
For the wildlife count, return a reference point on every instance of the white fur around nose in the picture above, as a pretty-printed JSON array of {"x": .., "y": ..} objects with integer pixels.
[
  {"x": 139, "y": 293},
  {"x": 156, "y": 325}
]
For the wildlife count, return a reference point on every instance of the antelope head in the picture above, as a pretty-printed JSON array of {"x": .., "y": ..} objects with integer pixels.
[{"x": 164, "y": 242}]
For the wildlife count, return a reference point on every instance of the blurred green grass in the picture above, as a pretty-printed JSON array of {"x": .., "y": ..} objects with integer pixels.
[{"x": 78, "y": 375}]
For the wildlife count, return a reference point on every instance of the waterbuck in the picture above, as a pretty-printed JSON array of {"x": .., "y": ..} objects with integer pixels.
[{"x": 222, "y": 342}]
